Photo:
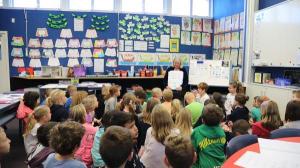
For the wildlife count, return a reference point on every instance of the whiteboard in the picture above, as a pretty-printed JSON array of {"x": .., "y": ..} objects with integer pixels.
[
  {"x": 276, "y": 36},
  {"x": 212, "y": 72}
]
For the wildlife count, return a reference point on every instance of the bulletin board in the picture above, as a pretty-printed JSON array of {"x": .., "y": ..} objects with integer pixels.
[{"x": 33, "y": 31}]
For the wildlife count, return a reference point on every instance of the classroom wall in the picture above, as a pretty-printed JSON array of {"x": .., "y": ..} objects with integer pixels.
[
  {"x": 37, "y": 18},
  {"x": 267, "y": 3},
  {"x": 223, "y": 8}
]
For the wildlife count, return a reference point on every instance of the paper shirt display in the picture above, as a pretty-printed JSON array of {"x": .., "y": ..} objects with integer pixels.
[
  {"x": 86, "y": 43},
  {"x": 86, "y": 53},
  {"x": 66, "y": 33},
  {"x": 74, "y": 43},
  {"x": 17, "y": 52},
  {"x": 72, "y": 62},
  {"x": 47, "y": 53},
  {"x": 73, "y": 53},
  {"x": 34, "y": 43},
  {"x": 61, "y": 43},
  {"x": 18, "y": 62},
  {"x": 35, "y": 63},
  {"x": 47, "y": 43},
  {"x": 87, "y": 62},
  {"x": 53, "y": 62},
  {"x": 34, "y": 53},
  {"x": 17, "y": 41},
  {"x": 99, "y": 43},
  {"x": 91, "y": 33},
  {"x": 60, "y": 53},
  {"x": 41, "y": 32}
]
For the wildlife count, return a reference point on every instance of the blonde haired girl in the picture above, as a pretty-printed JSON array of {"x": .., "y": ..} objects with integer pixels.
[
  {"x": 162, "y": 126},
  {"x": 128, "y": 103},
  {"x": 78, "y": 97},
  {"x": 175, "y": 107},
  {"x": 270, "y": 120},
  {"x": 90, "y": 103},
  {"x": 83, "y": 153},
  {"x": 40, "y": 116},
  {"x": 56, "y": 103},
  {"x": 184, "y": 122}
]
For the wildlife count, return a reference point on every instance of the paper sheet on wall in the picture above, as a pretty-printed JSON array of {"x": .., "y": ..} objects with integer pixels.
[
  {"x": 78, "y": 24},
  {"x": 128, "y": 42},
  {"x": 175, "y": 79},
  {"x": 175, "y": 31},
  {"x": 128, "y": 48},
  {"x": 98, "y": 65},
  {"x": 164, "y": 41},
  {"x": 121, "y": 45},
  {"x": 140, "y": 45}
]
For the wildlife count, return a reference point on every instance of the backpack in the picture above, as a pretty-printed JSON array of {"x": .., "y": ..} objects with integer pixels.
[{"x": 38, "y": 159}]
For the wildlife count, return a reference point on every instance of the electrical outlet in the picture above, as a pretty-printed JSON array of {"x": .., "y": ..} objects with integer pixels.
[{"x": 13, "y": 20}]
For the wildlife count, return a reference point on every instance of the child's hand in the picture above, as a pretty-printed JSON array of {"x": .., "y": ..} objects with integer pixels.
[{"x": 225, "y": 127}]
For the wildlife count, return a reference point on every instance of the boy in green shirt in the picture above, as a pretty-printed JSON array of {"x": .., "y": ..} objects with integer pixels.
[
  {"x": 209, "y": 139},
  {"x": 255, "y": 111},
  {"x": 196, "y": 108}
]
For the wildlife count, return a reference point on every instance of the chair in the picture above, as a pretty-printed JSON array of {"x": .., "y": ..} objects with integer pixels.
[
  {"x": 239, "y": 142},
  {"x": 285, "y": 132}
]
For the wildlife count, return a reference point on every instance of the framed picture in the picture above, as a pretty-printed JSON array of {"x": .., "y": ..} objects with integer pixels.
[
  {"x": 174, "y": 45},
  {"x": 257, "y": 77}
]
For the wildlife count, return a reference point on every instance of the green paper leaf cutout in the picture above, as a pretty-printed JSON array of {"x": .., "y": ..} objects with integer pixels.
[
  {"x": 122, "y": 22},
  {"x": 94, "y": 16},
  {"x": 73, "y": 15}
]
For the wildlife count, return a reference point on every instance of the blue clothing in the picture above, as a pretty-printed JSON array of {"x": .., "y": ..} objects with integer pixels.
[
  {"x": 68, "y": 104},
  {"x": 97, "y": 159},
  {"x": 51, "y": 162}
]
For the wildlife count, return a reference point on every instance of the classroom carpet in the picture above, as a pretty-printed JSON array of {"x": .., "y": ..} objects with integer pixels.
[{"x": 17, "y": 155}]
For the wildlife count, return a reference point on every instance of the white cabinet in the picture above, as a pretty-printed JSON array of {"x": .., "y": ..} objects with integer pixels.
[{"x": 281, "y": 95}]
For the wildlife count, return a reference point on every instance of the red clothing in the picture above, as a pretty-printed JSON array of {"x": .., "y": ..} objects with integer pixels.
[
  {"x": 23, "y": 112},
  {"x": 260, "y": 131}
]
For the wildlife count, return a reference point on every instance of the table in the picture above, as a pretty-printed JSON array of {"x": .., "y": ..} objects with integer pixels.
[
  {"x": 126, "y": 82},
  {"x": 229, "y": 163}
]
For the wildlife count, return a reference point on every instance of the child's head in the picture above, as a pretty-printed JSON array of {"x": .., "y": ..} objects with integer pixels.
[
  {"x": 189, "y": 97},
  {"x": 292, "y": 112},
  {"x": 114, "y": 91},
  {"x": 157, "y": 93},
  {"x": 140, "y": 96},
  {"x": 167, "y": 95},
  {"x": 202, "y": 88},
  {"x": 78, "y": 97},
  {"x": 118, "y": 139},
  {"x": 296, "y": 95},
  {"x": 77, "y": 113},
  {"x": 212, "y": 115},
  {"x": 271, "y": 118},
  {"x": 148, "y": 110},
  {"x": 90, "y": 103},
  {"x": 48, "y": 92},
  {"x": 4, "y": 142},
  {"x": 218, "y": 97},
  {"x": 162, "y": 123},
  {"x": 235, "y": 87},
  {"x": 65, "y": 137},
  {"x": 209, "y": 101},
  {"x": 128, "y": 102},
  {"x": 179, "y": 151},
  {"x": 31, "y": 99},
  {"x": 71, "y": 89},
  {"x": 241, "y": 99},
  {"x": 175, "y": 107},
  {"x": 57, "y": 97},
  {"x": 41, "y": 115},
  {"x": 43, "y": 133},
  {"x": 263, "y": 106},
  {"x": 240, "y": 127},
  {"x": 105, "y": 91},
  {"x": 105, "y": 120},
  {"x": 125, "y": 120},
  {"x": 184, "y": 122}
]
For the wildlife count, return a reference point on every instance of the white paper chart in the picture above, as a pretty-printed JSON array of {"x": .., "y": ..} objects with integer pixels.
[{"x": 213, "y": 72}]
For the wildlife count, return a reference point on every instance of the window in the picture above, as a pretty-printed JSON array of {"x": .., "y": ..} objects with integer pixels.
[
  {"x": 25, "y": 3},
  {"x": 132, "y": 5},
  {"x": 107, "y": 5},
  {"x": 154, "y": 6},
  {"x": 1, "y": 2},
  {"x": 80, "y": 5},
  {"x": 201, "y": 7},
  {"x": 50, "y": 4},
  {"x": 181, "y": 7}
]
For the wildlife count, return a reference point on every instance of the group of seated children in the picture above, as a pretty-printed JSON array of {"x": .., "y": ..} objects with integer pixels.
[{"x": 136, "y": 132}]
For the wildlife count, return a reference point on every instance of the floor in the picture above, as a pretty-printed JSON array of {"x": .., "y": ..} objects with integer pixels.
[{"x": 17, "y": 155}]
